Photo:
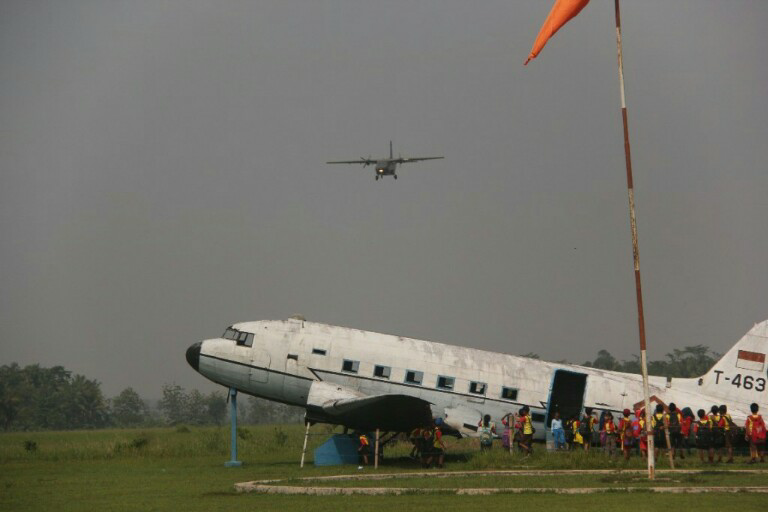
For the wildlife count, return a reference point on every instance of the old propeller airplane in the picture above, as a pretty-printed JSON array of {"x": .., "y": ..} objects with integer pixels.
[
  {"x": 386, "y": 166},
  {"x": 366, "y": 380}
]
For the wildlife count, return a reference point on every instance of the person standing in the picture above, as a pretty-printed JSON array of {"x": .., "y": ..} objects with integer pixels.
[
  {"x": 427, "y": 441},
  {"x": 609, "y": 429},
  {"x": 558, "y": 433},
  {"x": 586, "y": 427},
  {"x": 526, "y": 443},
  {"x": 718, "y": 428},
  {"x": 674, "y": 423},
  {"x": 659, "y": 425},
  {"x": 578, "y": 440},
  {"x": 506, "y": 438},
  {"x": 686, "y": 432},
  {"x": 438, "y": 447},
  {"x": 487, "y": 429},
  {"x": 415, "y": 438},
  {"x": 729, "y": 428},
  {"x": 363, "y": 450},
  {"x": 755, "y": 434},
  {"x": 702, "y": 429},
  {"x": 625, "y": 434},
  {"x": 638, "y": 429}
]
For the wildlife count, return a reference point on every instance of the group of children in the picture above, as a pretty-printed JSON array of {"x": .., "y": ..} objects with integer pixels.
[
  {"x": 672, "y": 428},
  {"x": 428, "y": 445}
]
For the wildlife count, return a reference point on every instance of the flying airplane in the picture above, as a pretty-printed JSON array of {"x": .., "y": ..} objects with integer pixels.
[
  {"x": 366, "y": 380},
  {"x": 385, "y": 166}
]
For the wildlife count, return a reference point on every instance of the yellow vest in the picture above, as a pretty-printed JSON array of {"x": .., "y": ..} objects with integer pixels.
[{"x": 527, "y": 425}]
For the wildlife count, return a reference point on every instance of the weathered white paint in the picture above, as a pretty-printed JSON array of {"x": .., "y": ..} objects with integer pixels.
[{"x": 281, "y": 366}]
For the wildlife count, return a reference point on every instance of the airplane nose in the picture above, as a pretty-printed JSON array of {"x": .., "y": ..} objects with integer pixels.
[{"x": 193, "y": 355}]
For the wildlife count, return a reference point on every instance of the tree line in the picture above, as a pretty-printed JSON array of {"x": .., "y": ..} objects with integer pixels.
[{"x": 37, "y": 398}]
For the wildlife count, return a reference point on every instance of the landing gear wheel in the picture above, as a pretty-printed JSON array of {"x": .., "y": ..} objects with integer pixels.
[
  {"x": 395, "y": 176},
  {"x": 377, "y": 177}
]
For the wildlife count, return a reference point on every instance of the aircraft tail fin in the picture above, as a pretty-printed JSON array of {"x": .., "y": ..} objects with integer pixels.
[{"x": 740, "y": 375}]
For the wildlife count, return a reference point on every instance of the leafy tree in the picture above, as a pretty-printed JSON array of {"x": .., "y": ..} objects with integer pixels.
[
  {"x": 173, "y": 404},
  {"x": 605, "y": 361},
  {"x": 34, "y": 397},
  {"x": 128, "y": 409},
  {"x": 83, "y": 404},
  {"x": 216, "y": 404},
  {"x": 12, "y": 392},
  {"x": 689, "y": 362},
  {"x": 261, "y": 411}
]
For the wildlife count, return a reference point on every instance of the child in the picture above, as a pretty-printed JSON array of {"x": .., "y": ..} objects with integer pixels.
[
  {"x": 755, "y": 435},
  {"x": 702, "y": 429},
  {"x": 557, "y": 432},
  {"x": 578, "y": 439},
  {"x": 625, "y": 434},
  {"x": 609, "y": 428},
  {"x": 638, "y": 429},
  {"x": 363, "y": 449}
]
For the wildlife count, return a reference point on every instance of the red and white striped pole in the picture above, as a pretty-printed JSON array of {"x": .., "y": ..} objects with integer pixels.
[{"x": 635, "y": 251}]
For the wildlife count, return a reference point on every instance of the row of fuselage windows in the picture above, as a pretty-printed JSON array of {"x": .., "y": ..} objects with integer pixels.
[{"x": 416, "y": 378}]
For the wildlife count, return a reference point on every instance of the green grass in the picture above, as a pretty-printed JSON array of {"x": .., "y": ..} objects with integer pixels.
[{"x": 173, "y": 469}]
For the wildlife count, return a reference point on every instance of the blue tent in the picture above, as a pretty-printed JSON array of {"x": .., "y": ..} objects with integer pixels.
[{"x": 339, "y": 449}]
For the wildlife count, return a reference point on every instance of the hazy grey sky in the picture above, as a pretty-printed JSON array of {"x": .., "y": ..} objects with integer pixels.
[{"x": 163, "y": 176}]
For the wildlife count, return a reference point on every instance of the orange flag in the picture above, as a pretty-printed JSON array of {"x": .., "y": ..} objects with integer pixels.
[{"x": 561, "y": 13}]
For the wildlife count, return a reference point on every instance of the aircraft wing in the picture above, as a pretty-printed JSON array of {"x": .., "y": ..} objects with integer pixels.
[
  {"x": 362, "y": 161},
  {"x": 418, "y": 159},
  {"x": 389, "y": 412}
]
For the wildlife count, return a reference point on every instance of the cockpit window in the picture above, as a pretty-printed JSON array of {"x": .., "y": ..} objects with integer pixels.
[{"x": 244, "y": 339}]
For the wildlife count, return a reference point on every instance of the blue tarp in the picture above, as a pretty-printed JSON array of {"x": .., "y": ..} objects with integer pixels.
[{"x": 339, "y": 449}]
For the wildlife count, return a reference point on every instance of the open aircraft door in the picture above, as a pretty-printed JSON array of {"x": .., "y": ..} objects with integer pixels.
[{"x": 566, "y": 395}]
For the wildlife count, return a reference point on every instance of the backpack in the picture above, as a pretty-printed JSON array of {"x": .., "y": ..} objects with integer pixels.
[
  {"x": 703, "y": 432},
  {"x": 717, "y": 430},
  {"x": 486, "y": 436},
  {"x": 758, "y": 430},
  {"x": 585, "y": 427},
  {"x": 427, "y": 437},
  {"x": 637, "y": 430},
  {"x": 674, "y": 422}
]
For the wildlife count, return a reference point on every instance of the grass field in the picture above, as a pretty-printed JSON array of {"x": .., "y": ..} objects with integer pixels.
[{"x": 183, "y": 469}]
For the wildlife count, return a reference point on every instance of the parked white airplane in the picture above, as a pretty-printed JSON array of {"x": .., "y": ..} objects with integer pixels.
[{"x": 366, "y": 380}]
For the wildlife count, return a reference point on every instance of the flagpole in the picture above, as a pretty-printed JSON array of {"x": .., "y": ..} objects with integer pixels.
[{"x": 635, "y": 251}]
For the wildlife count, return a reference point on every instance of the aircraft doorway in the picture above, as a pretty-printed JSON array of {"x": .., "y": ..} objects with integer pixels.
[{"x": 566, "y": 395}]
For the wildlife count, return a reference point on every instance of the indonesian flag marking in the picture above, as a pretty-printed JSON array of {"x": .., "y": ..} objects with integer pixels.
[{"x": 750, "y": 360}]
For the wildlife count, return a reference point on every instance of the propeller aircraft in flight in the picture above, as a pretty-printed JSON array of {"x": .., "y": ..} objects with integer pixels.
[{"x": 386, "y": 166}]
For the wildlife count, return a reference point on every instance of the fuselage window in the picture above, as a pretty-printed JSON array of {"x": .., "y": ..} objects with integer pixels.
[
  {"x": 295, "y": 357},
  {"x": 537, "y": 417},
  {"x": 478, "y": 388},
  {"x": 509, "y": 393},
  {"x": 350, "y": 366},
  {"x": 229, "y": 334},
  {"x": 413, "y": 377},
  {"x": 318, "y": 351},
  {"x": 382, "y": 371},
  {"x": 445, "y": 382}
]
